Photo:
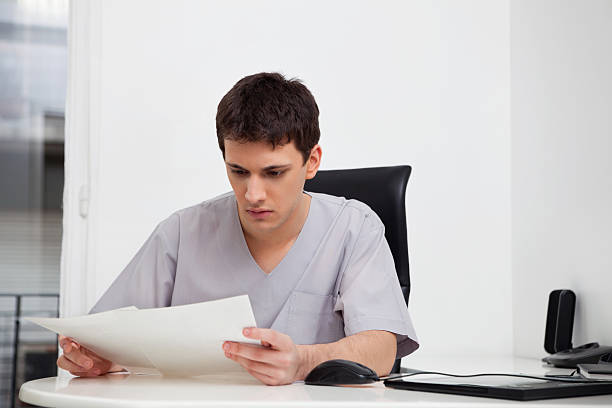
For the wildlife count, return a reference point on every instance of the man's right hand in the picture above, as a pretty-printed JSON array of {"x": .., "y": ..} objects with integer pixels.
[{"x": 82, "y": 362}]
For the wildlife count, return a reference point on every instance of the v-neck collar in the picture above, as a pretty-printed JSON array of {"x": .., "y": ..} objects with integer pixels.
[{"x": 290, "y": 254}]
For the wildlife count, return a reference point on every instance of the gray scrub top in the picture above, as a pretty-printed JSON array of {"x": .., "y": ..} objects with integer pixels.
[{"x": 337, "y": 279}]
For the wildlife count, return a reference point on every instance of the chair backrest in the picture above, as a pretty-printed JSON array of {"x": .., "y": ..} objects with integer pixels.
[{"x": 384, "y": 190}]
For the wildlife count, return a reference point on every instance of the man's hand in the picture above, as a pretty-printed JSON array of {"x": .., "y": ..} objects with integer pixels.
[
  {"x": 82, "y": 362},
  {"x": 277, "y": 363}
]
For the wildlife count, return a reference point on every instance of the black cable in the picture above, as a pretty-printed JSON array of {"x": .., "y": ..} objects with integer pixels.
[{"x": 561, "y": 379}]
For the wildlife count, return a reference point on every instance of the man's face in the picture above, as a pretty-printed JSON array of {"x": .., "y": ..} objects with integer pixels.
[{"x": 268, "y": 182}]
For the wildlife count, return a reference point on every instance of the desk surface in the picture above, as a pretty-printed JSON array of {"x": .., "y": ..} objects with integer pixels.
[{"x": 240, "y": 390}]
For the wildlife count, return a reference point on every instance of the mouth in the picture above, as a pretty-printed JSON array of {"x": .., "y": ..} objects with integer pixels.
[{"x": 259, "y": 213}]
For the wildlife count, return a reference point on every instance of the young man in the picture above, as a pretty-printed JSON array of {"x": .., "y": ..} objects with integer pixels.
[{"x": 317, "y": 268}]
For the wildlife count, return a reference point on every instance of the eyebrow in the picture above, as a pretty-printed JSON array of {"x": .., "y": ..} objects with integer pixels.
[{"x": 267, "y": 168}]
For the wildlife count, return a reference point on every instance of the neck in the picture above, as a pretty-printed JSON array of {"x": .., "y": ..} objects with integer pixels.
[{"x": 288, "y": 232}]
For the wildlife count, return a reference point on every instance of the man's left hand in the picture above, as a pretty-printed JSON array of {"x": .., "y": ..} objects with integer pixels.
[{"x": 276, "y": 363}]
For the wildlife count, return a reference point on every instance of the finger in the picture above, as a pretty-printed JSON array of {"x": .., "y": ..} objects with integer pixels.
[
  {"x": 100, "y": 363},
  {"x": 80, "y": 359},
  {"x": 69, "y": 345},
  {"x": 68, "y": 365},
  {"x": 256, "y": 366},
  {"x": 63, "y": 340},
  {"x": 251, "y": 351},
  {"x": 276, "y": 339},
  {"x": 64, "y": 363}
]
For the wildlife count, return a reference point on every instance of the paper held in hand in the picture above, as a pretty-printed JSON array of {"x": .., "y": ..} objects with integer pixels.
[{"x": 178, "y": 340}]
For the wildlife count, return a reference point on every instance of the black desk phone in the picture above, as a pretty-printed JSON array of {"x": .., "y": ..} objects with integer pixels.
[
  {"x": 589, "y": 353},
  {"x": 558, "y": 335}
]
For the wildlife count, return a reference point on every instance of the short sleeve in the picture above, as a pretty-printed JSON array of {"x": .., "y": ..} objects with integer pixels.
[
  {"x": 370, "y": 296},
  {"x": 148, "y": 280}
]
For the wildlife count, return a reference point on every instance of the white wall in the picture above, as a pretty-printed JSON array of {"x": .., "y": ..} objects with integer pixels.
[
  {"x": 425, "y": 83},
  {"x": 561, "y": 165}
]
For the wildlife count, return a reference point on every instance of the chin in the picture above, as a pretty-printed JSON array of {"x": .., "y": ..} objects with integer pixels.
[{"x": 265, "y": 225}]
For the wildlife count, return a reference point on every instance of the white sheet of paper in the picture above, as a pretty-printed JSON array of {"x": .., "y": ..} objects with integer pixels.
[
  {"x": 178, "y": 340},
  {"x": 187, "y": 340},
  {"x": 106, "y": 334}
]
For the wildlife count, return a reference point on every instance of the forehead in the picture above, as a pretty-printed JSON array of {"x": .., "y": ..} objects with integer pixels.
[{"x": 260, "y": 154}]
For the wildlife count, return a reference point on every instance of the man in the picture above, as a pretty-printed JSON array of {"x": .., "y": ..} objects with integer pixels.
[{"x": 317, "y": 268}]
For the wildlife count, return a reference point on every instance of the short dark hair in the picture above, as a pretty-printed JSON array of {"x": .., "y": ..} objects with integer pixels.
[{"x": 267, "y": 107}]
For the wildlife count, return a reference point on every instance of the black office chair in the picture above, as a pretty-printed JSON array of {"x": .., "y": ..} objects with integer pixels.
[{"x": 384, "y": 190}]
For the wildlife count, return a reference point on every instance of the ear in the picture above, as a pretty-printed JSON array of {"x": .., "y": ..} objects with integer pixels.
[{"x": 313, "y": 162}]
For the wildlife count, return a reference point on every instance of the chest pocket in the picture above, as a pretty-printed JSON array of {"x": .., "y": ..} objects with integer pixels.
[{"x": 312, "y": 320}]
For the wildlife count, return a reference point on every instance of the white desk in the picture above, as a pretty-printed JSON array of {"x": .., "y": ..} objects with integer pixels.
[{"x": 123, "y": 390}]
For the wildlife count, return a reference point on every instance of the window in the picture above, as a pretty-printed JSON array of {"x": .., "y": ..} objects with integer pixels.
[{"x": 33, "y": 72}]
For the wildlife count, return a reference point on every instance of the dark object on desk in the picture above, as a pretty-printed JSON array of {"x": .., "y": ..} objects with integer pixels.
[
  {"x": 517, "y": 389},
  {"x": 589, "y": 353},
  {"x": 341, "y": 372},
  {"x": 558, "y": 335},
  {"x": 384, "y": 190},
  {"x": 596, "y": 371},
  {"x": 600, "y": 371},
  {"x": 559, "y": 320}
]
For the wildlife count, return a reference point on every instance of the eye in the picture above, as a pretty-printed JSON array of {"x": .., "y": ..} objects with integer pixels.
[
  {"x": 276, "y": 173},
  {"x": 239, "y": 172}
]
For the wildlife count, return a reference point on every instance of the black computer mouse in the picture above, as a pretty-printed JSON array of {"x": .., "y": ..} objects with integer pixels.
[{"x": 341, "y": 372}]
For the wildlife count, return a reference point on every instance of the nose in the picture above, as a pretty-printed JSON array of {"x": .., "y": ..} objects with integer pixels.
[{"x": 255, "y": 192}]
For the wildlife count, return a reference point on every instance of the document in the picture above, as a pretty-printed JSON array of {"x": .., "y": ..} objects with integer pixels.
[{"x": 176, "y": 341}]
